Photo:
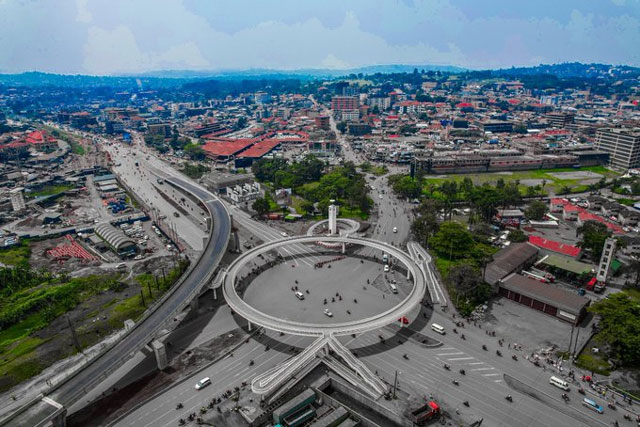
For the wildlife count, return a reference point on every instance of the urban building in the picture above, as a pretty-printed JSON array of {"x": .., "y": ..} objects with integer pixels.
[
  {"x": 323, "y": 122},
  {"x": 17, "y": 199},
  {"x": 162, "y": 129},
  {"x": 560, "y": 119},
  {"x": 622, "y": 144},
  {"x": 339, "y": 103}
]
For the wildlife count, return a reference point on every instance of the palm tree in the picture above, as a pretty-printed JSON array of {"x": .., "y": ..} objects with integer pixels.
[{"x": 565, "y": 189}]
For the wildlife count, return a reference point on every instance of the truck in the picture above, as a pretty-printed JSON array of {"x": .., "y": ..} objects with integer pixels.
[
  {"x": 425, "y": 413},
  {"x": 595, "y": 286}
]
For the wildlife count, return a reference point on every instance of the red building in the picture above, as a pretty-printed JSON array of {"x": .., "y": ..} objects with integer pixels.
[{"x": 339, "y": 103}]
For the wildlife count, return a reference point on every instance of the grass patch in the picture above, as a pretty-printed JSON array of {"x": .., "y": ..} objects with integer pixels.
[
  {"x": 49, "y": 190},
  {"x": 380, "y": 170},
  {"x": 77, "y": 148},
  {"x": 626, "y": 202},
  {"x": 16, "y": 254},
  {"x": 552, "y": 182},
  {"x": 593, "y": 363},
  {"x": 194, "y": 171},
  {"x": 128, "y": 308},
  {"x": 345, "y": 212},
  {"x": 296, "y": 203}
]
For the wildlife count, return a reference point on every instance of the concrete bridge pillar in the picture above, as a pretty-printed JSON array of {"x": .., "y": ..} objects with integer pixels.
[
  {"x": 249, "y": 326},
  {"x": 343, "y": 248},
  {"x": 408, "y": 274},
  {"x": 194, "y": 304},
  {"x": 161, "y": 354},
  {"x": 215, "y": 294}
]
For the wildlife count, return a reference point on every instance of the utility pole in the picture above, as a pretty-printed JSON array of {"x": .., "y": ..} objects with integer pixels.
[
  {"x": 575, "y": 345},
  {"x": 76, "y": 342},
  {"x": 570, "y": 340},
  {"x": 142, "y": 297},
  {"x": 395, "y": 384}
]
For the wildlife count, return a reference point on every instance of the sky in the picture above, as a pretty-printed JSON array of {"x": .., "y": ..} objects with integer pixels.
[{"x": 106, "y": 37}]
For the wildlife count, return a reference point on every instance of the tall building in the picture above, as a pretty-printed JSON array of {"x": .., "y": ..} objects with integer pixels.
[
  {"x": 323, "y": 122},
  {"x": 560, "y": 119},
  {"x": 339, "y": 103},
  {"x": 622, "y": 144}
]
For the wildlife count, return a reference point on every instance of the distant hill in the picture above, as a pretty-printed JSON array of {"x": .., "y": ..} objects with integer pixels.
[
  {"x": 174, "y": 78},
  {"x": 572, "y": 69}
]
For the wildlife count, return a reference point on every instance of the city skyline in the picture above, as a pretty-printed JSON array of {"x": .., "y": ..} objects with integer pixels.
[{"x": 87, "y": 37}]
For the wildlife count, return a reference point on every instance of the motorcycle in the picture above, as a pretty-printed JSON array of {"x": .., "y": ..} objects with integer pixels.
[
  {"x": 565, "y": 397},
  {"x": 455, "y": 331},
  {"x": 181, "y": 422},
  {"x": 447, "y": 367},
  {"x": 611, "y": 405},
  {"x": 405, "y": 356},
  {"x": 581, "y": 390},
  {"x": 462, "y": 336},
  {"x": 499, "y": 353},
  {"x": 179, "y": 406},
  {"x": 251, "y": 363},
  {"x": 514, "y": 357},
  {"x": 466, "y": 403},
  {"x": 462, "y": 371},
  {"x": 484, "y": 347},
  {"x": 455, "y": 382},
  {"x": 509, "y": 398}
]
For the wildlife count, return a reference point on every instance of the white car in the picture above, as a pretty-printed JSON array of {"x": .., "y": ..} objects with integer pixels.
[
  {"x": 328, "y": 313},
  {"x": 386, "y": 268},
  {"x": 284, "y": 234},
  {"x": 203, "y": 383},
  {"x": 395, "y": 229},
  {"x": 380, "y": 197}
]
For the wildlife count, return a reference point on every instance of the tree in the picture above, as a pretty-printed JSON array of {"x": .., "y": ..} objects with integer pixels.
[
  {"x": 453, "y": 240},
  {"x": 536, "y": 210},
  {"x": 261, "y": 206},
  {"x": 342, "y": 127},
  {"x": 593, "y": 235},
  {"x": 619, "y": 327},
  {"x": 565, "y": 189},
  {"x": 518, "y": 236},
  {"x": 194, "y": 151},
  {"x": 426, "y": 222},
  {"x": 406, "y": 186}
]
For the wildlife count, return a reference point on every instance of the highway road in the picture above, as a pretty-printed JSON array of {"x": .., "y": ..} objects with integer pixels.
[
  {"x": 75, "y": 386},
  {"x": 483, "y": 385}
]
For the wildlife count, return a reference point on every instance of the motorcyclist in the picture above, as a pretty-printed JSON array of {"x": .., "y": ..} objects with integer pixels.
[
  {"x": 462, "y": 371},
  {"x": 509, "y": 398}
]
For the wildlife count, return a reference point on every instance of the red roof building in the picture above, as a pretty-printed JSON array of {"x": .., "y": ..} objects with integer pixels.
[
  {"x": 259, "y": 149},
  {"x": 224, "y": 150},
  {"x": 552, "y": 245}
]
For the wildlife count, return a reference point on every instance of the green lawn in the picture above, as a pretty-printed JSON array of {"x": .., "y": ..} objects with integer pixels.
[
  {"x": 552, "y": 182},
  {"x": 49, "y": 190},
  {"x": 593, "y": 363},
  {"x": 15, "y": 255},
  {"x": 77, "y": 148}
]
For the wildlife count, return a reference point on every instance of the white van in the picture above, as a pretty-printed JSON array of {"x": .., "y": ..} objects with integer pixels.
[
  {"x": 203, "y": 383},
  {"x": 299, "y": 295},
  {"x": 394, "y": 288},
  {"x": 437, "y": 328},
  {"x": 559, "y": 383}
]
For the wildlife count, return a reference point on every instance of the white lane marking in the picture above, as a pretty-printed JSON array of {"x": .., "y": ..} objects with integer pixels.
[
  {"x": 483, "y": 369},
  {"x": 476, "y": 363},
  {"x": 490, "y": 375},
  {"x": 449, "y": 354},
  {"x": 462, "y": 358},
  {"x": 497, "y": 381}
]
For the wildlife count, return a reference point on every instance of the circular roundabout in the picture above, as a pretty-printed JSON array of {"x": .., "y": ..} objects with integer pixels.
[{"x": 267, "y": 320}]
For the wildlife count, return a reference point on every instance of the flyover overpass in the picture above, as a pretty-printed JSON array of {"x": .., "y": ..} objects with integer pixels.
[{"x": 43, "y": 410}]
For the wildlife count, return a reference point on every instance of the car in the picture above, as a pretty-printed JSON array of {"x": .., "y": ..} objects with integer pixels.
[
  {"x": 328, "y": 313},
  {"x": 176, "y": 214},
  {"x": 139, "y": 257},
  {"x": 380, "y": 196},
  {"x": 386, "y": 268},
  {"x": 395, "y": 229},
  {"x": 284, "y": 234},
  {"x": 203, "y": 383},
  {"x": 299, "y": 295}
]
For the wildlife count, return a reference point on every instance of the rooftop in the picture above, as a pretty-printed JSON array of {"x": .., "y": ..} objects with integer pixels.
[{"x": 546, "y": 293}]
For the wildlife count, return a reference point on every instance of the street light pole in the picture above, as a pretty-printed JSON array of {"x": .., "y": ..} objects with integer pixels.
[{"x": 395, "y": 384}]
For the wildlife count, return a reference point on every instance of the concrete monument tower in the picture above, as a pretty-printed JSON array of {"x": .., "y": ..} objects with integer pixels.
[{"x": 333, "y": 218}]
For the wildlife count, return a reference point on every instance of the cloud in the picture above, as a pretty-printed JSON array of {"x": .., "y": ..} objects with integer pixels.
[
  {"x": 333, "y": 63},
  {"x": 94, "y": 36},
  {"x": 116, "y": 51},
  {"x": 83, "y": 13}
]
